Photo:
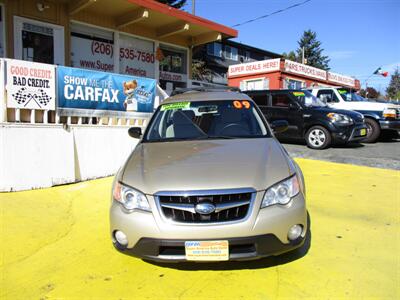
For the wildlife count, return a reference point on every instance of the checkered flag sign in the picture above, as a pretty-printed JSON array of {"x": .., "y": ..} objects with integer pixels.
[
  {"x": 22, "y": 96},
  {"x": 42, "y": 98}
]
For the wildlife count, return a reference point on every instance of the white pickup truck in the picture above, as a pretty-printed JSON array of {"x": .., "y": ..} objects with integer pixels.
[{"x": 378, "y": 116}]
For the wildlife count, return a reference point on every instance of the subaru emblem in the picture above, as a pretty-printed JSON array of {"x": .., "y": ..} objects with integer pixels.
[{"x": 204, "y": 208}]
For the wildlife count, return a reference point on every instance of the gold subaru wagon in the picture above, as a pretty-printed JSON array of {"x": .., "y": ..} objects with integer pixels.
[{"x": 208, "y": 181}]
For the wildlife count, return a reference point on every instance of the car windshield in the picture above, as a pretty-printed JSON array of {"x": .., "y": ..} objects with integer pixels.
[
  {"x": 206, "y": 120},
  {"x": 308, "y": 99},
  {"x": 348, "y": 95}
]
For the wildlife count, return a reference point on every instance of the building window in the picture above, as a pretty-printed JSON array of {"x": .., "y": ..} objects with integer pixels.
[
  {"x": 294, "y": 84},
  {"x": 38, "y": 41},
  {"x": 2, "y": 32},
  {"x": 247, "y": 56},
  {"x": 173, "y": 60},
  {"x": 136, "y": 57},
  {"x": 173, "y": 67},
  {"x": 254, "y": 84},
  {"x": 214, "y": 49},
  {"x": 92, "y": 48},
  {"x": 231, "y": 53}
]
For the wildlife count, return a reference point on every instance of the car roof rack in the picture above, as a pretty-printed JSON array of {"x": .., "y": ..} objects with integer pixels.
[{"x": 179, "y": 91}]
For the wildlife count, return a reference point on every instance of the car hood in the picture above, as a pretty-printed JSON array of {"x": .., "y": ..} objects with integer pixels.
[
  {"x": 206, "y": 165},
  {"x": 368, "y": 105}
]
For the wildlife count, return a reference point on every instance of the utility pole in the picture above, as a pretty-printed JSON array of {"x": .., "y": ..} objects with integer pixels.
[{"x": 193, "y": 7}]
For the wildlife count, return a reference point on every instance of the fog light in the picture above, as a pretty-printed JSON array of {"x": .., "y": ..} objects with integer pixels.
[
  {"x": 295, "y": 232},
  {"x": 121, "y": 238}
]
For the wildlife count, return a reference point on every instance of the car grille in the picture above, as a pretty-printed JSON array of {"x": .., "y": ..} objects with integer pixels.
[{"x": 229, "y": 206}]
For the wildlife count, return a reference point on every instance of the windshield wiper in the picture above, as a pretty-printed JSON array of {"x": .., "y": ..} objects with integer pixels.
[{"x": 226, "y": 137}]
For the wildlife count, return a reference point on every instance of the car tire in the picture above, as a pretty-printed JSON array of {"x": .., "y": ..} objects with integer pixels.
[
  {"x": 373, "y": 131},
  {"x": 318, "y": 137}
]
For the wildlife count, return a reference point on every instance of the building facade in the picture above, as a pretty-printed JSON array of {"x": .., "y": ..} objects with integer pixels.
[
  {"x": 218, "y": 56},
  {"x": 133, "y": 37}
]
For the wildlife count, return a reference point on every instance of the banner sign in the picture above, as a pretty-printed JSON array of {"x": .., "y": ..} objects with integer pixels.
[
  {"x": 341, "y": 79},
  {"x": 101, "y": 93},
  {"x": 298, "y": 68},
  {"x": 30, "y": 85},
  {"x": 256, "y": 67}
]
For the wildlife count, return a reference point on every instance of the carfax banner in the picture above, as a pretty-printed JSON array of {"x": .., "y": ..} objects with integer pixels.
[
  {"x": 30, "y": 85},
  {"x": 93, "y": 93}
]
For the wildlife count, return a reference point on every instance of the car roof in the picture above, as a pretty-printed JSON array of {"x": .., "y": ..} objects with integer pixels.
[
  {"x": 207, "y": 96},
  {"x": 275, "y": 90},
  {"x": 327, "y": 87}
]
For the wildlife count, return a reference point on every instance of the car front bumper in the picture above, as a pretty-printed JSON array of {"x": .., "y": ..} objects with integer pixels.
[
  {"x": 263, "y": 233},
  {"x": 351, "y": 134},
  {"x": 242, "y": 248},
  {"x": 390, "y": 124}
]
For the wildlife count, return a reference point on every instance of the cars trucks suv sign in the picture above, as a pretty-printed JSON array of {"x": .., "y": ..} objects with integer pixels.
[
  {"x": 30, "y": 85},
  {"x": 256, "y": 67},
  {"x": 341, "y": 79},
  {"x": 297, "y": 68}
]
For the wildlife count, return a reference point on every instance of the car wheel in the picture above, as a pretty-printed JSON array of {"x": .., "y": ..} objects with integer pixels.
[
  {"x": 317, "y": 137},
  {"x": 373, "y": 131}
]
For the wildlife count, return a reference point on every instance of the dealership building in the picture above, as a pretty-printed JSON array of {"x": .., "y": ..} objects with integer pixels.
[{"x": 133, "y": 37}]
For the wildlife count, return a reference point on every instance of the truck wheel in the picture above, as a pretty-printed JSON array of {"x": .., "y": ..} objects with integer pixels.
[
  {"x": 317, "y": 137},
  {"x": 373, "y": 131}
]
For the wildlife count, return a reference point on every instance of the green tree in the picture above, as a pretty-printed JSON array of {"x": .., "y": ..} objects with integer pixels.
[
  {"x": 393, "y": 89},
  {"x": 174, "y": 3},
  {"x": 312, "y": 51},
  {"x": 290, "y": 56}
]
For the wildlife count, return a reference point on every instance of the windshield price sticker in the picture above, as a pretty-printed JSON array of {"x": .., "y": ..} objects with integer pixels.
[
  {"x": 176, "y": 105},
  {"x": 298, "y": 94},
  {"x": 341, "y": 92},
  {"x": 240, "y": 104}
]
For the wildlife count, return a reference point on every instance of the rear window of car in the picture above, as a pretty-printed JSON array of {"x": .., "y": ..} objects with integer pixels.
[{"x": 280, "y": 100}]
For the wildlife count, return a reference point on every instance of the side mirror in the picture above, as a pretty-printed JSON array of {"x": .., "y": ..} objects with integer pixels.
[
  {"x": 135, "y": 132},
  {"x": 279, "y": 126}
]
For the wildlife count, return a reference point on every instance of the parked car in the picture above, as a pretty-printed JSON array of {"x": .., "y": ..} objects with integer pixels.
[
  {"x": 378, "y": 116},
  {"x": 208, "y": 181},
  {"x": 309, "y": 119}
]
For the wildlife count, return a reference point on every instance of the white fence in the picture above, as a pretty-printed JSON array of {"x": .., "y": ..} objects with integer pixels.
[{"x": 40, "y": 149}]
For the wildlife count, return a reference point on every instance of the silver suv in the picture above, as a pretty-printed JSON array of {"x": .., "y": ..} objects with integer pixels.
[{"x": 208, "y": 181}]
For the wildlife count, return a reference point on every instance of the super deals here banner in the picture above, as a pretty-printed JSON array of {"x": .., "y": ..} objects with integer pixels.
[{"x": 97, "y": 93}]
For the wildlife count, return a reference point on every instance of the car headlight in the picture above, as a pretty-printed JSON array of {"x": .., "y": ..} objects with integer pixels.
[
  {"x": 339, "y": 118},
  {"x": 130, "y": 198},
  {"x": 282, "y": 192},
  {"x": 389, "y": 113}
]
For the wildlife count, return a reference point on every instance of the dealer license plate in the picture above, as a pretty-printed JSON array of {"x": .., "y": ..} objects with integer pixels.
[
  {"x": 363, "y": 131},
  {"x": 207, "y": 250}
]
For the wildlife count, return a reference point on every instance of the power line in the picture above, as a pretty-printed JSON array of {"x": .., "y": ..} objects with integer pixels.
[{"x": 273, "y": 13}]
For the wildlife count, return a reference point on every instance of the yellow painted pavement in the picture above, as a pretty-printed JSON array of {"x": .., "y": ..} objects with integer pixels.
[{"x": 55, "y": 245}]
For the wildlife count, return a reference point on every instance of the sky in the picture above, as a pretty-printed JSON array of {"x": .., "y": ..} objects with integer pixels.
[{"x": 358, "y": 35}]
